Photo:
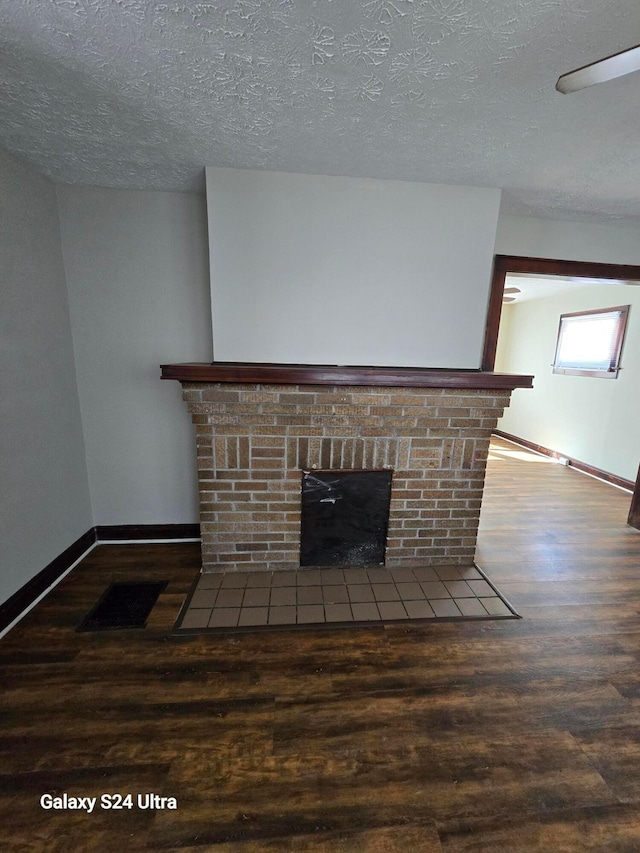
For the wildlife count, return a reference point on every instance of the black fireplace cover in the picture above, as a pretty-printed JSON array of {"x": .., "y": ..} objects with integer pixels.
[{"x": 345, "y": 515}]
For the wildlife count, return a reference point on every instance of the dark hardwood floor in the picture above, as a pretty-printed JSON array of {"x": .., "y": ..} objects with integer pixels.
[{"x": 478, "y": 736}]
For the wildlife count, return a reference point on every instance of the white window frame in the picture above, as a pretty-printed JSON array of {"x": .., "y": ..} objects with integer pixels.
[{"x": 611, "y": 372}]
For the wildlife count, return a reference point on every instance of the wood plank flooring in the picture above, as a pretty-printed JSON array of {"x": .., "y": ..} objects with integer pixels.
[{"x": 448, "y": 737}]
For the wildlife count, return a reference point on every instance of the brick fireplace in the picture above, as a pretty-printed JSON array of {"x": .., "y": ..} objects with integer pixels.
[{"x": 258, "y": 427}]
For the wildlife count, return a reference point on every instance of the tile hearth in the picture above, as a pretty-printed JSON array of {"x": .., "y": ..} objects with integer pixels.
[{"x": 244, "y": 601}]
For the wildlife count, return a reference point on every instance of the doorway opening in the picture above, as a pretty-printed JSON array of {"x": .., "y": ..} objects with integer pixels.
[{"x": 573, "y": 426}]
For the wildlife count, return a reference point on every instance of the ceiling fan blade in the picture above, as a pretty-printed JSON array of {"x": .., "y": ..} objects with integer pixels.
[
  {"x": 508, "y": 298},
  {"x": 512, "y": 290},
  {"x": 598, "y": 72}
]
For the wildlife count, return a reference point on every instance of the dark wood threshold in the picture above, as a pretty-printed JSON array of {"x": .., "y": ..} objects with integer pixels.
[
  {"x": 331, "y": 374},
  {"x": 23, "y": 598},
  {"x": 27, "y": 594},
  {"x": 634, "y": 512},
  {"x": 573, "y": 463},
  {"x": 118, "y": 532}
]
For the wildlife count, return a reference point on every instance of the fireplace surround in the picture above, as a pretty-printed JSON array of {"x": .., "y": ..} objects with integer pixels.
[{"x": 258, "y": 427}]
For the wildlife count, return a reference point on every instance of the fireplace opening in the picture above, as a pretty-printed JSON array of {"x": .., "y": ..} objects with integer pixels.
[{"x": 345, "y": 515}]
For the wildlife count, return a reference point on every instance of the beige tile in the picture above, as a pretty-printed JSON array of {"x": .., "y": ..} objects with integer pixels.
[
  {"x": 234, "y": 580},
  {"x": 194, "y": 618},
  {"x": 470, "y": 607},
  {"x": 360, "y": 592},
  {"x": 365, "y": 612},
  {"x": 392, "y": 610},
  {"x": 448, "y": 573},
  {"x": 258, "y": 579},
  {"x": 284, "y": 578},
  {"x": 310, "y": 614},
  {"x": 469, "y": 572},
  {"x": 309, "y": 595},
  {"x": 402, "y": 575},
  {"x": 332, "y": 576},
  {"x": 435, "y": 589},
  {"x": 210, "y": 581},
  {"x": 459, "y": 589},
  {"x": 444, "y": 607},
  {"x": 309, "y": 577},
  {"x": 256, "y": 597},
  {"x": 385, "y": 592},
  {"x": 480, "y": 588},
  {"x": 253, "y": 616},
  {"x": 225, "y": 617},
  {"x": 379, "y": 575},
  {"x": 283, "y": 595},
  {"x": 335, "y": 594},
  {"x": 495, "y": 606},
  {"x": 203, "y": 598},
  {"x": 356, "y": 576},
  {"x": 418, "y": 609},
  {"x": 410, "y": 591},
  {"x": 282, "y": 616},
  {"x": 338, "y": 613},
  {"x": 230, "y": 598},
  {"x": 426, "y": 575}
]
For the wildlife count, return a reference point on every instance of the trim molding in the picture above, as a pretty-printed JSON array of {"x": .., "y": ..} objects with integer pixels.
[
  {"x": 22, "y": 599},
  {"x": 634, "y": 512},
  {"x": 16, "y": 604},
  {"x": 494, "y": 311},
  {"x": 503, "y": 264},
  {"x": 328, "y": 374},
  {"x": 573, "y": 463},
  {"x": 119, "y": 532}
]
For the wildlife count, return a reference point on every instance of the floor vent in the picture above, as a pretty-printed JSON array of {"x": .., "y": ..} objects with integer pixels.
[{"x": 123, "y": 605}]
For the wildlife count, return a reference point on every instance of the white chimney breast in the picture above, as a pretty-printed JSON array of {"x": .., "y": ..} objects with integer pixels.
[{"x": 332, "y": 270}]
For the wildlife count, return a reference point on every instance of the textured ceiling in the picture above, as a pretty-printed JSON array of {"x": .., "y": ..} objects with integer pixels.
[{"x": 128, "y": 93}]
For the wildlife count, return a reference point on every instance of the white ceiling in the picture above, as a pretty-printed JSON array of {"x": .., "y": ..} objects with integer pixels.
[
  {"x": 139, "y": 94},
  {"x": 538, "y": 286}
]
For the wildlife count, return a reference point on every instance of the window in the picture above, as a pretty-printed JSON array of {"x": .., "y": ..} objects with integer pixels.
[{"x": 590, "y": 342}]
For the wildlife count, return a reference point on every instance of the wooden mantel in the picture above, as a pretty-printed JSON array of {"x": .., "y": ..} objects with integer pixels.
[{"x": 332, "y": 374}]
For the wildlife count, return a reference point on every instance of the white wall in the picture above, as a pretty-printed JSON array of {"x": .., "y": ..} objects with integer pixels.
[
  {"x": 137, "y": 273},
  {"x": 607, "y": 243},
  {"x": 336, "y": 270},
  {"x": 596, "y": 421},
  {"x": 44, "y": 494}
]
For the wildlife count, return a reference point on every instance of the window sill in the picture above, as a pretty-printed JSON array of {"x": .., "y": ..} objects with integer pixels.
[{"x": 599, "y": 374}]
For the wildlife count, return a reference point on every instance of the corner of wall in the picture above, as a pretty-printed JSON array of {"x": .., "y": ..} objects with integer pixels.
[{"x": 75, "y": 353}]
